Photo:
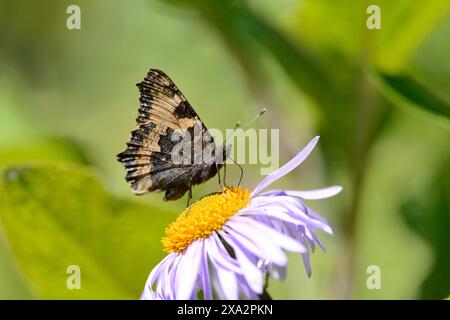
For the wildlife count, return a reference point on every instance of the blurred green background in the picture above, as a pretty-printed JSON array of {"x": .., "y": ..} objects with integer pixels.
[{"x": 380, "y": 100}]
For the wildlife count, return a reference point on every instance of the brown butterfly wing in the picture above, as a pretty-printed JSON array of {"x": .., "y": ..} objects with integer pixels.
[{"x": 148, "y": 155}]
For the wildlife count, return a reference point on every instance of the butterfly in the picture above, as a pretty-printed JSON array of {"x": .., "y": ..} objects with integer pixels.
[{"x": 171, "y": 149}]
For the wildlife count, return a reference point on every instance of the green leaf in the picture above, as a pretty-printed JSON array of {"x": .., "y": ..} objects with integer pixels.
[
  {"x": 43, "y": 149},
  {"x": 57, "y": 216},
  {"x": 245, "y": 34},
  {"x": 250, "y": 38},
  {"x": 405, "y": 90},
  {"x": 405, "y": 25},
  {"x": 21, "y": 143},
  {"x": 429, "y": 215}
]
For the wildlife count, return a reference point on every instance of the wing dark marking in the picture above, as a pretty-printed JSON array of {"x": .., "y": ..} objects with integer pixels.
[{"x": 148, "y": 155}]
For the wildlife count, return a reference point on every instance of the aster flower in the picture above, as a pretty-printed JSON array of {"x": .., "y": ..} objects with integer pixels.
[{"x": 229, "y": 241}]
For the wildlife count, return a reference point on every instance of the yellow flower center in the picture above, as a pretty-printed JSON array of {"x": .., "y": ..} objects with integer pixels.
[{"x": 204, "y": 217}]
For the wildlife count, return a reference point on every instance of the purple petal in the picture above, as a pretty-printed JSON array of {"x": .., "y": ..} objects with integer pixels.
[
  {"x": 251, "y": 273},
  {"x": 278, "y": 213},
  {"x": 219, "y": 256},
  {"x": 246, "y": 290},
  {"x": 252, "y": 226},
  {"x": 166, "y": 287},
  {"x": 187, "y": 271},
  {"x": 319, "y": 242},
  {"x": 314, "y": 214},
  {"x": 307, "y": 264},
  {"x": 290, "y": 206},
  {"x": 244, "y": 235},
  {"x": 278, "y": 272},
  {"x": 227, "y": 281},
  {"x": 154, "y": 274},
  {"x": 205, "y": 276},
  {"x": 298, "y": 209},
  {"x": 316, "y": 194},
  {"x": 216, "y": 284},
  {"x": 275, "y": 214},
  {"x": 288, "y": 167}
]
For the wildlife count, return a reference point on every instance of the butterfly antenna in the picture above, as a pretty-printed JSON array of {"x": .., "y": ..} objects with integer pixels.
[
  {"x": 238, "y": 125},
  {"x": 263, "y": 110},
  {"x": 240, "y": 168}
]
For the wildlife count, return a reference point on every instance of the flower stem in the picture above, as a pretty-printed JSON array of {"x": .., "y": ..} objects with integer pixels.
[{"x": 265, "y": 295}]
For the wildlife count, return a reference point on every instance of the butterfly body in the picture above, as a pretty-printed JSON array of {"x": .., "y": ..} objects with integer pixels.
[{"x": 166, "y": 152}]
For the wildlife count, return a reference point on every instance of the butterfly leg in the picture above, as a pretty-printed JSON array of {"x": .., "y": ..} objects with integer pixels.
[
  {"x": 242, "y": 174},
  {"x": 189, "y": 198},
  {"x": 225, "y": 174},
  {"x": 242, "y": 171},
  {"x": 218, "y": 175}
]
